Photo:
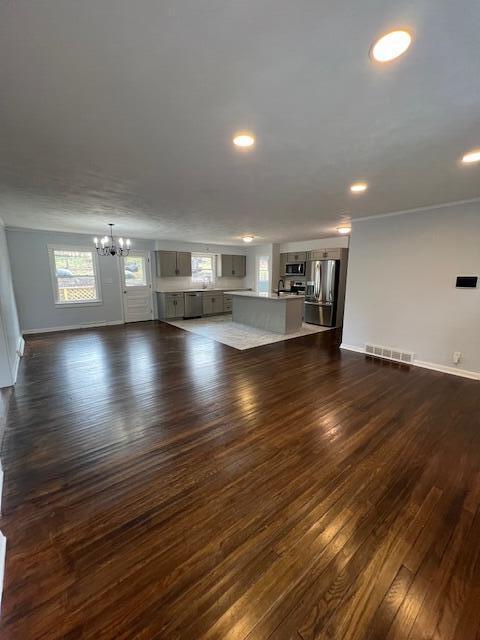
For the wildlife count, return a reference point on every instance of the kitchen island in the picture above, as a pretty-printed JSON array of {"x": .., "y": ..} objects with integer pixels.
[{"x": 280, "y": 314}]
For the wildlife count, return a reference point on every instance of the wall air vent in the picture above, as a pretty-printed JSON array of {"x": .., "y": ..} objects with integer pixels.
[{"x": 388, "y": 353}]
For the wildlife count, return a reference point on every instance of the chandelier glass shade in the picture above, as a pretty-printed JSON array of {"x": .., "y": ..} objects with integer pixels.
[{"x": 108, "y": 247}]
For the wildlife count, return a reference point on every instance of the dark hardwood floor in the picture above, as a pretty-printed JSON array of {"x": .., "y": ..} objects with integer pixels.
[{"x": 162, "y": 485}]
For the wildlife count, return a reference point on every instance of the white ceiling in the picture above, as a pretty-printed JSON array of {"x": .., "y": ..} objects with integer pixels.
[{"x": 123, "y": 111}]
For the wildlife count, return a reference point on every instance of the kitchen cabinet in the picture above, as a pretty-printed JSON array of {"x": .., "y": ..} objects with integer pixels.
[
  {"x": 233, "y": 265},
  {"x": 227, "y": 303},
  {"x": 226, "y": 265},
  {"x": 325, "y": 254},
  {"x": 240, "y": 266},
  {"x": 212, "y": 303},
  {"x": 299, "y": 256},
  {"x": 171, "y": 305},
  {"x": 173, "y": 263},
  {"x": 166, "y": 263},
  {"x": 283, "y": 264},
  {"x": 184, "y": 263}
]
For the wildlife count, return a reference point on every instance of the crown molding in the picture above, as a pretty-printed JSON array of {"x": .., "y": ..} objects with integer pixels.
[{"x": 443, "y": 205}]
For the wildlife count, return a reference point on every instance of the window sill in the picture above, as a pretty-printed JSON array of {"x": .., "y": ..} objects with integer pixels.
[{"x": 69, "y": 305}]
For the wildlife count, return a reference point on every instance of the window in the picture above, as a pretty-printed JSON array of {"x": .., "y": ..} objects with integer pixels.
[
  {"x": 263, "y": 275},
  {"x": 203, "y": 268},
  {"x": 74, "y": 274},
  {"x": 135, "y": 271}
]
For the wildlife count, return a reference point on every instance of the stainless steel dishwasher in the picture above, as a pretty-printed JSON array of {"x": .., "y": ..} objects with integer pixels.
[{"x": 193, "y": 304}]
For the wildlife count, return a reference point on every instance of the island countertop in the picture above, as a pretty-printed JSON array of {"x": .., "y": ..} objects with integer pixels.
[{"x": 283, "y": 297}]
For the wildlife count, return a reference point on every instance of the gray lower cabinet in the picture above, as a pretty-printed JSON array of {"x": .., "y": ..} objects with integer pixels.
[
  {"x": 170, "y": 305},
  {"x": 235, "y": 266},
  {"x": 227, "y": 303},
  {"x": 173, "y": 263},
  {"x": 212, "y": 303}
]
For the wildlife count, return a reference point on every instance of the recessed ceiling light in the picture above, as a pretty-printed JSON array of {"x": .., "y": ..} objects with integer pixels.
[
  {"x": 358, "y": 187},
  {"x": 344, "y": 229},
  {"x": 471, "y": 156},
  {"x": 391, "y": 45},
  {"x": 247, "y": 238},
  {"x": 244, "y": 140}
]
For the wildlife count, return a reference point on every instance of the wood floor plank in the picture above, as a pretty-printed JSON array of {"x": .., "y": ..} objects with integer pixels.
[{"x": 161, "y": 485}]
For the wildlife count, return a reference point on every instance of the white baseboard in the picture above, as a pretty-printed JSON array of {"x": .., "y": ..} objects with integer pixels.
[
  {"x": 21, "y": 346},
  {"x": 350, "y": 347},
  {"x": 72, "y": 327},
  {"x": 18, "y": 356},
  {"x": 3, "y": 551},
  {"x": 454, "y": 371}
]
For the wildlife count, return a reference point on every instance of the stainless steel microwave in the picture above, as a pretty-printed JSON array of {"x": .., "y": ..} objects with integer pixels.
[{"x": 295, "y": 269}]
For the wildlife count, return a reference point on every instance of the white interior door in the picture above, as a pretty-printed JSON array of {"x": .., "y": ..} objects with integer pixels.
[{"x": 137, "y": 287}]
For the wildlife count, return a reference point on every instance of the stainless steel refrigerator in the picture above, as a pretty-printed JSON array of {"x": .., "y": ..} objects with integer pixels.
[{"x": 322, "y": 292}]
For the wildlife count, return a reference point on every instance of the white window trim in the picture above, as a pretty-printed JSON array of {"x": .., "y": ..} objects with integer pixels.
[
  {"x": 214, "y": 264},
  {"x": 96, "y": 271},
  {"x": 140, "y": 253},
  {"x": 257, "y": 271}
]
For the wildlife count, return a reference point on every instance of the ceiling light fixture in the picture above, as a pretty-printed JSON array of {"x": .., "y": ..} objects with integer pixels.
[
  {"x": 344, "y": 229},
  {"x": 247, "y": 238},
  {"x": 358, "y": 187},
  {"x": 106, "y": 249},
  {"x": 471, "y": 157},
  {"x": 391, "y": 45},
  {"x": 244, "y": 140}
]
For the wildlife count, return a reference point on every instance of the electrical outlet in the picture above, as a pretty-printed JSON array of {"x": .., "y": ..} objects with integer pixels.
[{"x": 457, "y": 356}]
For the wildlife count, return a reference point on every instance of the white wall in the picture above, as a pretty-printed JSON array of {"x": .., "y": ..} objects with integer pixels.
[
  {"x": 33, "y": 283},
  {"x": 10, "y": 336},
  {"x": 401, "y": 285},
  {"x": 182, "y": 284}
]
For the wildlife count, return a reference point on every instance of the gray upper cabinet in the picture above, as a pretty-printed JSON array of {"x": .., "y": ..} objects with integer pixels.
[
  {"x": 299, "y": 256},
  {"x": 233, "y": 266},
  {"x": 166, "y": 263},
  {"x": 283, "y": 264},
  {"x": 173, "y": 263},
  {"x": 184, "y": 263},
  {"x": 226, "y": 265},
  {"x": 325, "y": 254},
  {"x": 240, "y": 266}
]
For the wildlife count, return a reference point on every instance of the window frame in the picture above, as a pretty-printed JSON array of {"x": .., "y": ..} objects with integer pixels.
[
  {"x": 257, "y": 272},
  {"x": 213, "y": 257},
  {"x": 51, "y": 248},
  {"x": 145, "y": 256}
]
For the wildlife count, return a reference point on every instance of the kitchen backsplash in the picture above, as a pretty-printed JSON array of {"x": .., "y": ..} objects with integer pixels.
[{"x": 183, "y": 284}]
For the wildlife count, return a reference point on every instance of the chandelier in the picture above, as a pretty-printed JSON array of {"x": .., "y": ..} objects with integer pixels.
[{"x": 108, "y": 247}]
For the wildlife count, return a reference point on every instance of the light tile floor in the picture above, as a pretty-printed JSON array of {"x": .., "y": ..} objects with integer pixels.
[{"x": 239, "y": 336}]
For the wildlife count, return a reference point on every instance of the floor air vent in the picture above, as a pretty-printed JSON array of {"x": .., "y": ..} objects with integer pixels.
[{"x": 389, "y": 354}]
